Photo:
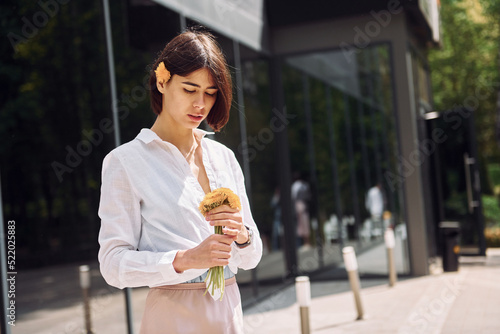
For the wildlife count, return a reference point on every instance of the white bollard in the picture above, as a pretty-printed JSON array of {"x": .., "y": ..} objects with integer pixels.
[
  {"x": 85, "y": 285},
  {"x": 390, "y": 243},
  {"x": 351, "y": 266},
  {"x": 303, "y": 290}
]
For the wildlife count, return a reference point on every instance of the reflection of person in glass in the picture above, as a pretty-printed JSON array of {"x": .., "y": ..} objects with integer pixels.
[
  {"x": 152, "y": 232},
  {"x": 276, "y": 232},
  {"x": 301, "y": 196},
  {"x": 375, "y": 205}
]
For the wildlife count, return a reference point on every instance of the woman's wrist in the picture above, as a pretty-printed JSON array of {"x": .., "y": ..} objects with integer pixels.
[
  {"x": 242, "y": 236},
  {"x": 247, "y": 241},
  {"x": 180, "y": 263}
]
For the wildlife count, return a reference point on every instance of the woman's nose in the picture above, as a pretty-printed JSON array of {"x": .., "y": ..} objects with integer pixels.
[{"x": 199, "y": 102}]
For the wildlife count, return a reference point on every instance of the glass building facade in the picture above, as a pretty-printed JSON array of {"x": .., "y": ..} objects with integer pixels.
[
  {"x": 326, "y": 101},
  {"x": 325, "y": 115},
  {"x": 342, "y": 142},
  {"x": 330, "y": 100}
]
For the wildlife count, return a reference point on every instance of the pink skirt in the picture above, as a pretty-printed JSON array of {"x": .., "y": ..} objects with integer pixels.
[
  {"x": 302, "y": 219},
  {"x": 182, "y": 308}
]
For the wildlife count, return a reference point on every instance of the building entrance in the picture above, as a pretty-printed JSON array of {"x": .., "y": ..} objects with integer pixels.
[{"x": 454, "y": 179}]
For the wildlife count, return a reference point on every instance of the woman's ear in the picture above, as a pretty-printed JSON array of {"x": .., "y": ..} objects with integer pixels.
[{"x": 161, "y": 86}]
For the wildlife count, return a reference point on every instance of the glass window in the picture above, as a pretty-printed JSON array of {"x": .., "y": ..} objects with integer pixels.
[{"x": 343, "y": 144}]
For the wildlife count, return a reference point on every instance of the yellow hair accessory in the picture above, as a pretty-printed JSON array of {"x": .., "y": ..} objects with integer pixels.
[{"x": 162, "y": 74}]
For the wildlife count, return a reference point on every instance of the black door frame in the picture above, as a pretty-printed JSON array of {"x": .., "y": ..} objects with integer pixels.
[{"x": 432, "y": 173}]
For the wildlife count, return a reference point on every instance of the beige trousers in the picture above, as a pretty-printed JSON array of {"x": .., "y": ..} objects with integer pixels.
[{"x": 182, "y": 308}]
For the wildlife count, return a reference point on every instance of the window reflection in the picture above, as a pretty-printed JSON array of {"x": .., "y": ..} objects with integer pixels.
[
  {"x": 345, "y": 147},
  {"x": 342, "y": 142}
]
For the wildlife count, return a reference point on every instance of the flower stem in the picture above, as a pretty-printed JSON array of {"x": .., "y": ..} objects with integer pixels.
[{"x": 216, "y": 274}]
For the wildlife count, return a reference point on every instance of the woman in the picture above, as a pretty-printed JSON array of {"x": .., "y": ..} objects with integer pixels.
[{"x": 152, "y": 233}]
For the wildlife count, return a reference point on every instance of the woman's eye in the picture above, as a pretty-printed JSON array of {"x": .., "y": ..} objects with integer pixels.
[
  {"x": 211, "y": 95},
  {"x": 188, "y": 91}
]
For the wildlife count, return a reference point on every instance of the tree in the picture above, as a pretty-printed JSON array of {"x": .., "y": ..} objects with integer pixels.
[
  {"x": 465, "y": 69},
  {"x": 492, "y": 11}
]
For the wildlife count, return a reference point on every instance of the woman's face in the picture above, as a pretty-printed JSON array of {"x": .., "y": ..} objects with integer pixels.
[{"x": 188, "y": 100}]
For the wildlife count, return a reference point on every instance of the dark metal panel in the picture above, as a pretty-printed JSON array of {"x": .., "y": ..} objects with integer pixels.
[
  {"x": 283, "y": 168},
  {"x": 282, "y": 13}
]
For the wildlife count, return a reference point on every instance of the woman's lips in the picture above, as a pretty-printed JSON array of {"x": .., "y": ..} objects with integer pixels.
[{"x": 195, "y": 118}]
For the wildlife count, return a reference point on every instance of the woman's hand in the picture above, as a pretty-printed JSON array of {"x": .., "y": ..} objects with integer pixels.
[
  {"x": 231, "y": 221},
  {"x": 216, "y": 249},
  {"x": 211, "y": 252}
]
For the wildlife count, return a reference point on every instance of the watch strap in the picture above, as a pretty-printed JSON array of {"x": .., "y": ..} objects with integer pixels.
[{"x": 249, "y": 241}]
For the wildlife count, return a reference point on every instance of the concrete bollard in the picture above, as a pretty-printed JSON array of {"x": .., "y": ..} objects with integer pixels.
[
  {"x": 85, "y": 285},
  {"x": 390, "y": 243},
  {"x": 351, "y": 266},
  {"x": 303, "y": 290}
]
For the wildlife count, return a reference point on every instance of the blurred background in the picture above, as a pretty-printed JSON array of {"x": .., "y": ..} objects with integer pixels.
[{"x": 372, "y": 114}]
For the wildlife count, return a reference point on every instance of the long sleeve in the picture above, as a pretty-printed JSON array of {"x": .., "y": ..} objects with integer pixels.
[
  {"x": 121, "y": 264},
  {"x": 149, "y": 211},
  {"x": 249, "y": 256}
]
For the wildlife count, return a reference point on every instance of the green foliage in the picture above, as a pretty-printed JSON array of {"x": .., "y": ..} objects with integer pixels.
[
  {"x": 494, "y": 174},
  {"x": 492, "y": 11},
  {"x": 465, "y": 69},
  {"x": 491, "y": 210}
]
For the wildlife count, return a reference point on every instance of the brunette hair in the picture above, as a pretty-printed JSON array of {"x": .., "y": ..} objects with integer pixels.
[{"x": 190, "y": 51}]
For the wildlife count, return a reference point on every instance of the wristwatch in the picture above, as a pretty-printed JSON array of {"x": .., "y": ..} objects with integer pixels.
[{"x": 249, "y": 241}]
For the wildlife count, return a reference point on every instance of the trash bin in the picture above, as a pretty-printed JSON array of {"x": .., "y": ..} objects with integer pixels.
[{"x": 450, "y": 232}]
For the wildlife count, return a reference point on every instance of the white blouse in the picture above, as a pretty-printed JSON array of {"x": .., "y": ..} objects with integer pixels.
[{"x": 149, "y": 210}]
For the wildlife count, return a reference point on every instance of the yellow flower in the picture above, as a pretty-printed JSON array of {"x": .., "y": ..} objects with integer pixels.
[
  {"x": 218, "y": 197},
  {"x": 162, "y": 74}
]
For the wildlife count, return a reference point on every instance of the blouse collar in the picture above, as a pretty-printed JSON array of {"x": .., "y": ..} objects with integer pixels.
[{"x": 148, "y": 135}]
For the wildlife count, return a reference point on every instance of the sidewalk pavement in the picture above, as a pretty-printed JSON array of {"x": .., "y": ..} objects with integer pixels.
[{"x": 467, "y": 301}]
